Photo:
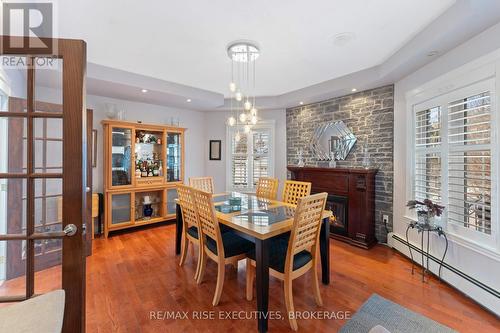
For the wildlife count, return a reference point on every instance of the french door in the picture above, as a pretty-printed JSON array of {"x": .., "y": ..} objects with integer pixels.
[{"x": 44, "y": 178}]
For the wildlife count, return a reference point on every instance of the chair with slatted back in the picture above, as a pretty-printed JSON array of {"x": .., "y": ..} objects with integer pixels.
[
  {"x": 293, "y": 257},
  {"x": 202, "y": 183},
  {"x": 223, "y": 248},
  {"x": 295, "y": 190},
  {"x": 267, "y": 188},
  {"x": 190, "y": 226}
]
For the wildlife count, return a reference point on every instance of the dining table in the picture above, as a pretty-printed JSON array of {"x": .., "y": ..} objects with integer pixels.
[{"x": 259, "y": 220}]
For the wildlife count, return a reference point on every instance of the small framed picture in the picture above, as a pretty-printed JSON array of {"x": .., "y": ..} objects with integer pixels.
[{"x": 215, "y": 150}]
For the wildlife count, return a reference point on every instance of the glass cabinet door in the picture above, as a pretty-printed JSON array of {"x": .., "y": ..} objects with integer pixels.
[
  {"x": 171, "y": 205},
  {"x": 120, "y": 208},
  {"x": 121, "y": 162},
  {"x": 174, "y": 159}
]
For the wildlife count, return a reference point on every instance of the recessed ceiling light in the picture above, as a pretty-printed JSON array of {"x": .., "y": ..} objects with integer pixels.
[
  {"x": 354, "y": 89},
  {"x": 188, "y": 100},
  {"x": 144, "y": 90},
  {"x": 301, "y": 103},
  {"x": 343, "y": 38},
  {"x": 432, "y": 53}
]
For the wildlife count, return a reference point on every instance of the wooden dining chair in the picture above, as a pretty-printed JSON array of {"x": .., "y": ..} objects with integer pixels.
[
  {"x": 223, "y": 248},
  {"x": 267, "y": 188},
  {"x": 202, "y": 183},
  {"x": 295, "y": 190},
  {"x": 190, "y": 230},
  {"x": 293, "y": 257}
]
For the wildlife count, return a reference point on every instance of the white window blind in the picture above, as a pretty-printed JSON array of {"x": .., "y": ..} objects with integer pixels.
[
  {"x": 469, "y": 159},
  {"x": 453, "y": 158},
  {"x": 239, "y": 162},
  {"x": 251, "y": 157},
  {"x": 428, "y": 154},
  {"x": 260, "y": 155}
]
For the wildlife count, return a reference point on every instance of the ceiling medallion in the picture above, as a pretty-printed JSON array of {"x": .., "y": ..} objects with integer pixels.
[{"x": 243, "y": 55}]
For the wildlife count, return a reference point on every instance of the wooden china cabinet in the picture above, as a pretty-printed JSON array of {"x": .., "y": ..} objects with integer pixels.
[{"x": 142, "y": 165}]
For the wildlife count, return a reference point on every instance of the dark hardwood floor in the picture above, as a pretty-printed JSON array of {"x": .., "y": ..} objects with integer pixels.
[{"x": 133, "y": 274}]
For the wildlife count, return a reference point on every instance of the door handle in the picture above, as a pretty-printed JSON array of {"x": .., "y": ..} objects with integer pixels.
[{"x": 70, "y": 230}]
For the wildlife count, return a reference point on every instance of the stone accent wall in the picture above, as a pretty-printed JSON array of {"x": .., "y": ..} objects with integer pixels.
[{"x": 370, "y": 116}]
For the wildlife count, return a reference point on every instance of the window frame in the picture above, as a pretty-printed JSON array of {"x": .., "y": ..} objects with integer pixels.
[
  {"x": 4, "y": 95},
  {"x": 450, "y": 90},
  {"x": 230, "y": 132}
]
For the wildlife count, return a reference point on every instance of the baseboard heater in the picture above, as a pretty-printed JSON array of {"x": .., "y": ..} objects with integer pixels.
[{"x": 469, "y": 278}]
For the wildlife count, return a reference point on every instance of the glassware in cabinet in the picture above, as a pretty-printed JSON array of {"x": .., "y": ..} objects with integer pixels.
[{"x": 148, "y": 157}]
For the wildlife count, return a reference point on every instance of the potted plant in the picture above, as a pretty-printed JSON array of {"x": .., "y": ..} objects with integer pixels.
[{"x": 426, "y": 210}]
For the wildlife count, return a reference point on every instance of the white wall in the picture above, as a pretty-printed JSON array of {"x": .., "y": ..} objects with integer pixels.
[
  {"x": 484, "y": 267},
  {"x": 153, "y": 114},
  {"x": 215, "y": 123}
]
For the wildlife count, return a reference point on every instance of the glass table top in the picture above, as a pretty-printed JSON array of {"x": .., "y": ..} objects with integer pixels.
[
  {"x": 257, "y": 217},
  {"x": 239, "y": 202},
  {"x": 264, "y": 217}
]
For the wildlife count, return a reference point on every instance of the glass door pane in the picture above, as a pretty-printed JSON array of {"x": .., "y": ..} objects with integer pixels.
[
  {"x": 171, "y": 196},
  {"x": 121, "y": 163},
  {"x": 173, "y": 157},
  {"x": 120, "y": 208},
  {"x": 12, "y": 270}
]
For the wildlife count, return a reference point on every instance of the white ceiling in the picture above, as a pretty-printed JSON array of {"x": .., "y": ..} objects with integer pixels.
[{"x": 184, "y": 42}]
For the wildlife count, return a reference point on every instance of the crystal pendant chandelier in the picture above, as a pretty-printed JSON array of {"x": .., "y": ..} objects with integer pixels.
[{"x": 242, "y": 86}]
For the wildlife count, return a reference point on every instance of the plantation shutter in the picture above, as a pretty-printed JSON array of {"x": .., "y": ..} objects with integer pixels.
[
  {"x": 239, "y": 162},
  {"x": 260, "y": 155},
  {"x": 427, "y": 183},
  {"x": 251, "y": 157},
  {"x": 469, "y": 159}
]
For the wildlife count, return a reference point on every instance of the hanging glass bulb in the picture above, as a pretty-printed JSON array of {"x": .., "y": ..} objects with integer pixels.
[
  {"x": 253, "y": 112},
  {"x": 232, "y": 87},
  {"x": 238, "y": 96},
  {"x": 243, "y": 117},
  {"x": 247, "y": 128},
  {"x": 231, "y": 121},
  {"x": 253, "y": 120},
  {"x": 247, "y": 105},
  {"x": 237, "y": 137}
]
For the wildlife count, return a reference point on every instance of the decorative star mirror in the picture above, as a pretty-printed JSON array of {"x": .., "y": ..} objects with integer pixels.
[{"x": 332, "y": 141}]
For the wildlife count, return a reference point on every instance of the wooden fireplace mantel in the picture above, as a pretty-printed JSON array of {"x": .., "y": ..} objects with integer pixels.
[{"x": 355, "y": 184}]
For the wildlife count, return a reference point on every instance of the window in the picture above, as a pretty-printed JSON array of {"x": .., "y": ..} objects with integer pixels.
[
  {"x": 251, "y": 157},
  {"x": 469, "y": 159},
  {"x": 453, "y": 158},
  {"x": 428, "y": 154}
]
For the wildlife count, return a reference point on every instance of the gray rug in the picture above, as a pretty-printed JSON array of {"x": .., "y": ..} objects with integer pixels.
[{"x": 395, "y": 318}]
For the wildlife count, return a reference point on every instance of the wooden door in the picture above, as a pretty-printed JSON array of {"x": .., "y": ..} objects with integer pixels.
[
  {"x": 48, "y": 253},
  {"x": 39, "y": 187}
]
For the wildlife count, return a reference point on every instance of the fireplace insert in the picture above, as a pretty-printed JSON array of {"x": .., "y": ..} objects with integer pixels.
[{"x": 339, "y": 221}]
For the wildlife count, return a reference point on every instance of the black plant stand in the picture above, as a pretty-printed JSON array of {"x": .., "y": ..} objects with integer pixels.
[{"x": 422, "y": 228}]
